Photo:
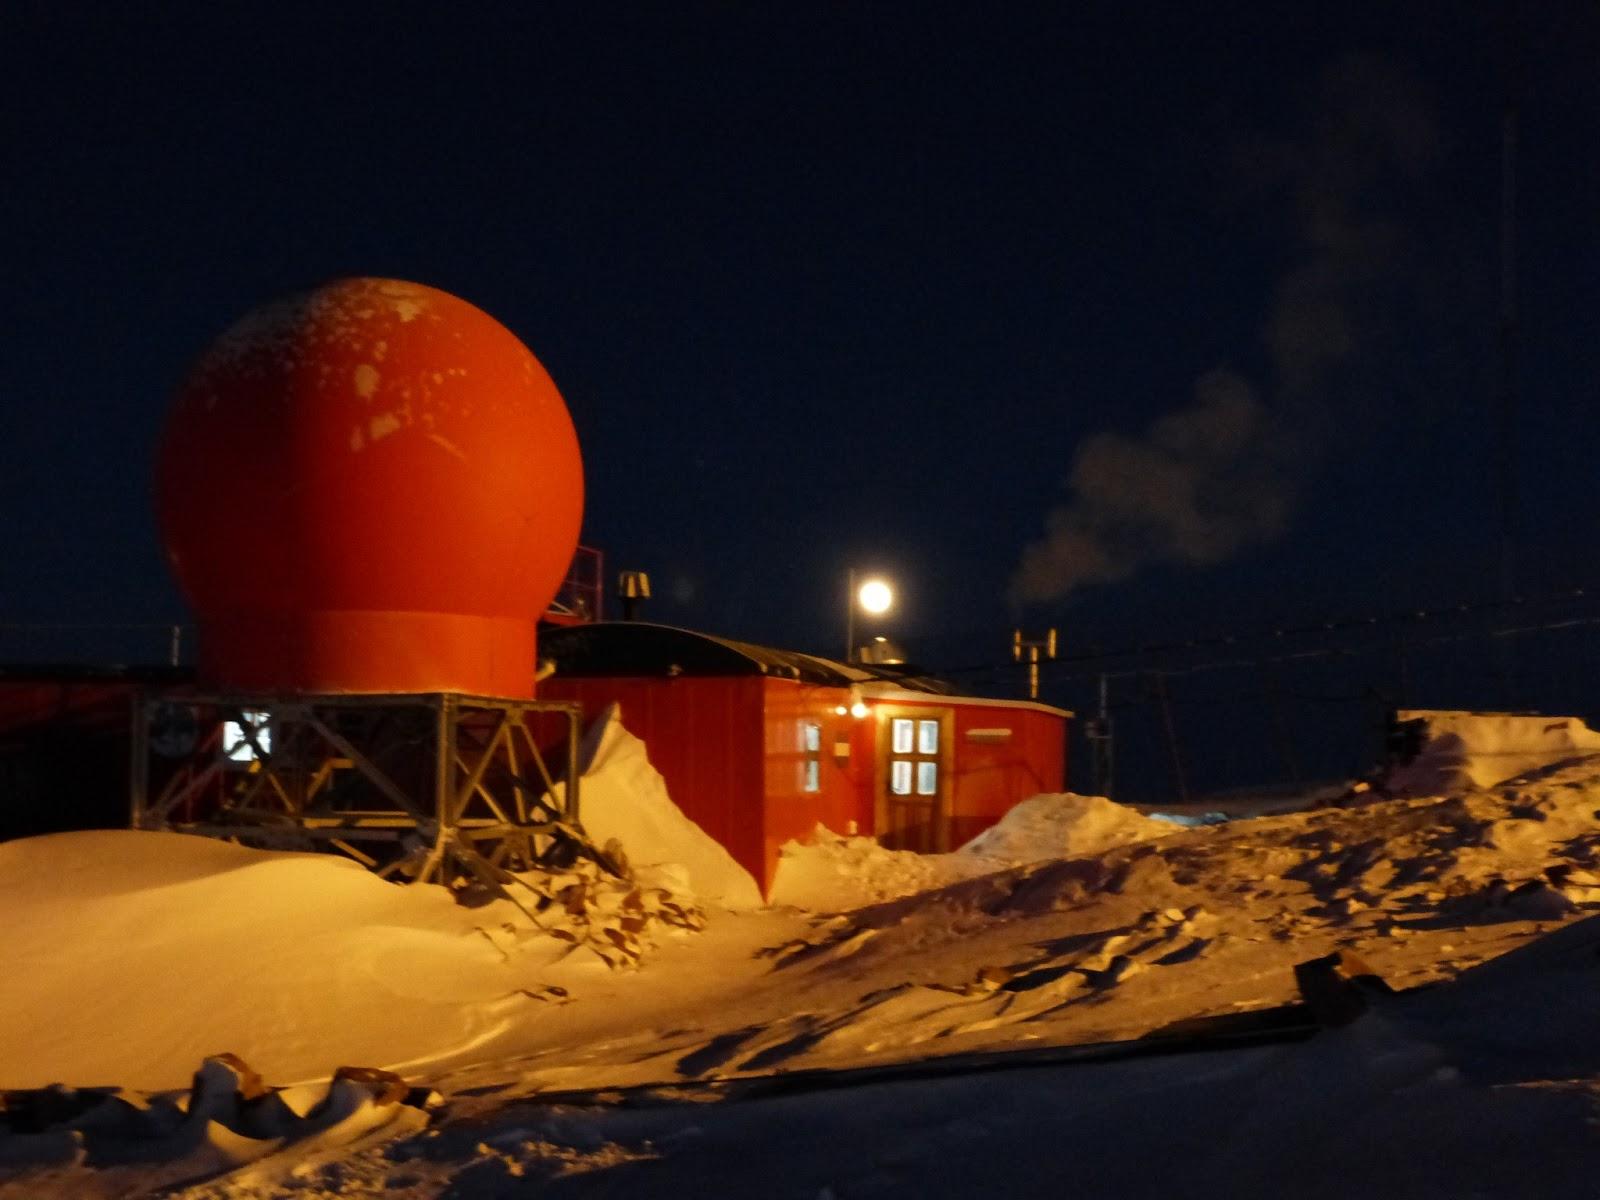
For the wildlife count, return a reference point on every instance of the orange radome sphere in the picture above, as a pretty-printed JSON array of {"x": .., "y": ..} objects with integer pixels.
[{"x": 372, "y": 487}]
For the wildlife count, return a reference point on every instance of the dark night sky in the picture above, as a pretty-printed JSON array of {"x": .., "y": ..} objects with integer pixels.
[{"x": 857, "y": 283}]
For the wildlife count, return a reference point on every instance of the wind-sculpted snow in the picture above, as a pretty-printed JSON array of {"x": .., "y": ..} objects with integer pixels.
[
  {"x": 1208, "y": 921},
  {"x": 624, "y": 800},
  {"x": 132, "y": 956},
  {"x": 312, "y": 961},
  {"x": 1464, "y": 751},
  {"x": 829, "y": 871}
]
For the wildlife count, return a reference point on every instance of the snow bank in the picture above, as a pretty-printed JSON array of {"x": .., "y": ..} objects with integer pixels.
[
  {"x": 131, "y": 956},
  {"x": 624, "y": 798},
  {"x": 1462, "y": 751},
  {"x": 1062, "y": 825},
  {"x": 833, "y": 873},
  {"x": 131, "y": 952}
]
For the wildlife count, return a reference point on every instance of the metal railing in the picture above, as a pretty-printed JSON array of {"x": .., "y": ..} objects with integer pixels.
[{"x": 102, "y": 642}]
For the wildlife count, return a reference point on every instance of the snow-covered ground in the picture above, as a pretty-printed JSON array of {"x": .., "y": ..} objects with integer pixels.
[{"x": 665, "y": 1035}]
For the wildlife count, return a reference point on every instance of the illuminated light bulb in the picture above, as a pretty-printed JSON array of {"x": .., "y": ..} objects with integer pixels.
[
  {"x": 859, "y": 709},
  {"x": 841, "y": 710},
  {"x": 875, "y": 596}
]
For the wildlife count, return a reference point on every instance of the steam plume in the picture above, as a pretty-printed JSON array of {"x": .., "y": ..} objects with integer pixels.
[{"x": 1218, "y": 475}]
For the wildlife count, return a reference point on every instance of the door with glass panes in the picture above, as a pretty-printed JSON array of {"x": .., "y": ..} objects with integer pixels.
[{"x": 913, "y": 778}]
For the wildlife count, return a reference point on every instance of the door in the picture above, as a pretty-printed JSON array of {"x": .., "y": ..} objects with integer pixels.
[{"x": 913, "y": 788}]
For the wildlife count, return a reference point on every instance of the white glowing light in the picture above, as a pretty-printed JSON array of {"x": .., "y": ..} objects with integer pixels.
[
  {"x": 841, "y": 710},
  {"x": 236, "y": 744},
  {"x": 859, "y": 709},
  {"x": 875, "y": 596}
]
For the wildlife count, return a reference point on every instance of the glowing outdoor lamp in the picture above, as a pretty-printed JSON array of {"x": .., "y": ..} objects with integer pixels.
[
  {"x": 873, "y": 596},
  {"x": 854, "y": 706}
]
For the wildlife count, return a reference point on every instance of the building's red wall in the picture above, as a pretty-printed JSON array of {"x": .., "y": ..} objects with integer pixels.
[
  {"x": 987, "y": 778},
  {"x": 704, "y": 736},
  {"x": 732, "y": 755},
  {"x": 64, "y": 755},
  {"x": 990, "y": 778},
  {"x": 843, "y": 801},
  {"x": 103, "y": 705}
]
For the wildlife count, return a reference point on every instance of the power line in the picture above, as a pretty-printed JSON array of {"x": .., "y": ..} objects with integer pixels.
[{"x": 1073, "y": 665}]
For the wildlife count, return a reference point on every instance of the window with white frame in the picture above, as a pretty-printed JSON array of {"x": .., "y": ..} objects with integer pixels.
[
  {"x": 810, "y": 756},
  {"x": 914, "y": 756}
]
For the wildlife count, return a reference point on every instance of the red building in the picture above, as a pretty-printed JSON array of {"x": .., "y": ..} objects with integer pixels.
[
  {"x": 759, "y": 745},
  {"x": 65, "y": 739}
]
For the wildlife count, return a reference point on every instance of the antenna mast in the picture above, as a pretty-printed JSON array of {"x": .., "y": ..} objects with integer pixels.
[{"x": 1506, "y": 414}]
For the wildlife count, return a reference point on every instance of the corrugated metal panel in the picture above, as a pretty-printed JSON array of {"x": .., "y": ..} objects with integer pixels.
[
  {"x": 703, "y": 735},
  {"x": 842, "y": 799}
]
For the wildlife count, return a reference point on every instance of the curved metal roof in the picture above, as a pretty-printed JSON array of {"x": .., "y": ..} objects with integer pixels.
[{"x": 617, "y": 648}]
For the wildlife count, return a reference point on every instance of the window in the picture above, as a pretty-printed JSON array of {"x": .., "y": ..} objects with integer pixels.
[
  {"x": 900, "y": 777},
  {"x": 236, "y": 747},
  {"x": 914, "y": 753},
  {"x": 811, "y": 756}
]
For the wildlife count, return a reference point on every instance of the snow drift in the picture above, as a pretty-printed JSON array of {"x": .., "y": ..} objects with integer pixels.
[
  {"x": 132, "y": 956},
  {"x": 1063, "y": 825},
  {"x": 624, "y": 799},
  {"x": 830, "y": 872},
  {"x": 1460, "y": 751}
]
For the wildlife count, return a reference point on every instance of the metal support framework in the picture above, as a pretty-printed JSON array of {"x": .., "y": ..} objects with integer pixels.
[{"x": 436, "y": 788}]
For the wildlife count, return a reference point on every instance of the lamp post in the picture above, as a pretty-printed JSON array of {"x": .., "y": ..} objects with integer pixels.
[{"x": 873, "y": 595}]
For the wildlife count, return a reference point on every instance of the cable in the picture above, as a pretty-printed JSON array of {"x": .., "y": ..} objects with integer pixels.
[{"x": 1061, "y": 667}]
